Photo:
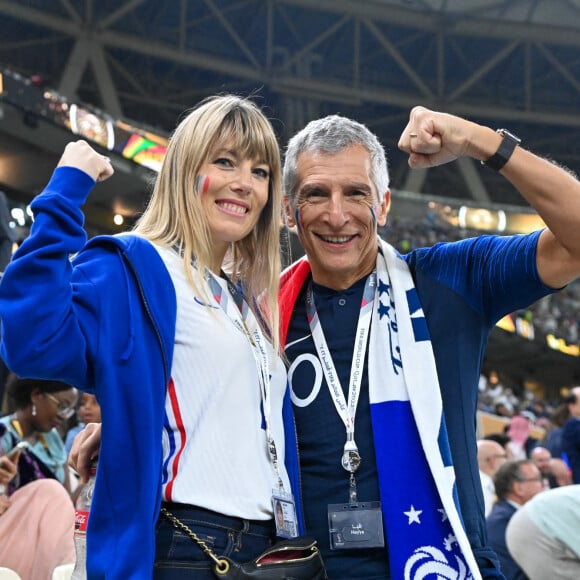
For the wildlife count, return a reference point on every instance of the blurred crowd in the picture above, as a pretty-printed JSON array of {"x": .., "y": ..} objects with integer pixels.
[
  {"x": 557, "y": 314},
  {"x": 530, "y": 477},
  {"x": 37, "y": 487}
]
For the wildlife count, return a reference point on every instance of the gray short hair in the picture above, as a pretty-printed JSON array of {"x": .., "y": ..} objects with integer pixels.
[{"x": 331, "y": 135}]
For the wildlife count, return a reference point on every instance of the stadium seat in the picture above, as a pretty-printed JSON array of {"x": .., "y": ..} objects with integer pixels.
[{"x": 63, "y": 572}]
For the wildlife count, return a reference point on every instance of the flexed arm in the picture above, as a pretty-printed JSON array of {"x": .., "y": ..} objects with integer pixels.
[
  {"x": 432, "y": 138},
  {"x": 41, "y": 304}
]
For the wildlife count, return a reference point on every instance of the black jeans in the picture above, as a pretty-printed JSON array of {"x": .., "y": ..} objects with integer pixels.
[{"x": 179, "y": 556}]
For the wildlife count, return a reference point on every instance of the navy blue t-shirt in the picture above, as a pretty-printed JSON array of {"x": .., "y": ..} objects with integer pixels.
[{"x": 321, "y": 431}]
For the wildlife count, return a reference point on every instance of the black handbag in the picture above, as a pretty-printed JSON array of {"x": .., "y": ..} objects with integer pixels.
[{"x": 295, "y": 559}]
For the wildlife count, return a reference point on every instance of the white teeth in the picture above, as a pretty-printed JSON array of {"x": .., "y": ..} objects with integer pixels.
[
  {"x": 233, "y": 207},
  {"x": 336, "y": 239}
]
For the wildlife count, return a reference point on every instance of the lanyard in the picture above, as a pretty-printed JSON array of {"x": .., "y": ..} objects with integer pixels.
[
  {"x": 346, "y": 409},
  {"x": 239, "y": 316}
]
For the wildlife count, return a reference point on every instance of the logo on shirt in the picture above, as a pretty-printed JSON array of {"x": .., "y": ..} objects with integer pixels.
[{"x": 307, "y": 359}]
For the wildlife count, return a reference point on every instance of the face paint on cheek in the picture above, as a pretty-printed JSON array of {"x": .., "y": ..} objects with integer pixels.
[
  {"x": 202, "y": 183},
  {"x": 374, "y": 216},
  {"x": 297, "y": 219}
]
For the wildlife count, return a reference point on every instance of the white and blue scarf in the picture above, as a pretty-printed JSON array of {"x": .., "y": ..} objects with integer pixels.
[{"x": 425, "y": 531}]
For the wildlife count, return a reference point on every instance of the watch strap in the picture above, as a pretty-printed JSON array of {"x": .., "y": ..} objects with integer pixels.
[{"x": 504, "y": 152}]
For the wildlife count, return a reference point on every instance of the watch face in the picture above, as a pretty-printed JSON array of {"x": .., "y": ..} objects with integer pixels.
[{"x": 508, "y": 134}]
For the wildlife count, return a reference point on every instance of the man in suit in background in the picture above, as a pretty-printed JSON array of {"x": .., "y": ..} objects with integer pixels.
[{"x": 516, "y": 482}]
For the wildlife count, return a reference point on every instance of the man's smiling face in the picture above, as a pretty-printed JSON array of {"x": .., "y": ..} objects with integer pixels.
[{"x": 337, "y": 214}]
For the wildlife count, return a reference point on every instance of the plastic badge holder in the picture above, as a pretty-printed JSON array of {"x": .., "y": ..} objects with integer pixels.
[{"x": 358, "y": 525}]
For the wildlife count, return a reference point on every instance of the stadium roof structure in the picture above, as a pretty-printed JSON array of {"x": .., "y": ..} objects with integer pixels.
[
  {"x": 504, "y": 63},
  {"x": 512, "y": 63}
]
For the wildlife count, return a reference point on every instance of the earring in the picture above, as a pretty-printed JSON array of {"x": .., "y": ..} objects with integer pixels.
[{"x": 33, "y": 410}]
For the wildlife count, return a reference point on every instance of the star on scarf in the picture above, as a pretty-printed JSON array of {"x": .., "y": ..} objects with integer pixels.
[
  {"x": 449, "y": 541},
  {"x": 443, "y": 514},
  {"x": 413, "y": 515},
  {"x": 383, "y": 287},
  {"x": 383, "y": 310}
]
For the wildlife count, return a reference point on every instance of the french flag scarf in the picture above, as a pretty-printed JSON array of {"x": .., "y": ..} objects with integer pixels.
[{"x": 425, "y": 532}]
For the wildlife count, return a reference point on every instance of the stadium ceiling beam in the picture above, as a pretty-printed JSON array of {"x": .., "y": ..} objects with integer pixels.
[
  {"x": 464, "y": 23},
  {"x": 415, "y": 179},
  {"x": 292, "y": 84},
  {"x": 74, "y": 68},
  {"x": 105, "y": 82},
  {"x": 119, "y": 13},
  {"x": 475, "y": 186},
  {"x": 460, "y": 23},
  {"x": 232, "y": 32},
  {"x": 38, "y": 17},
  {"x": 396, "y": 55}
]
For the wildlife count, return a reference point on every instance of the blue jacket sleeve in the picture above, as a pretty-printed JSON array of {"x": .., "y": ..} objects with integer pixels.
[{"x": 41, "y": 306}]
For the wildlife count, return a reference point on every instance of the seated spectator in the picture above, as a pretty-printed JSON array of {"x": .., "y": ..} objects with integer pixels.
[
  {"x": 561, "y": 471},
  {"x": 543, "y": 536},
  {"x": 490, "y": 456},
  {"x": 553, "y": 441},
  {"x": 501, "y": 409},
  {"x": 41, "y": 407},
  {"x": 521, "y": 442},
  {"x": 516, "y": 482},
  {"x": 571, "y": 433},
  {"x": 36, "y": 511},
  {"x": 503, "y": 439},
  {"x": 89, "y": 411},
  {"x": 36, "y": 528},
  {"x": 541, "y": 458},
  {"x": 539, "y": 410}
]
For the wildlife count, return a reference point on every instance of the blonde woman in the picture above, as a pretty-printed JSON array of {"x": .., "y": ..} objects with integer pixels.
[{"x": 183, "y": 357}]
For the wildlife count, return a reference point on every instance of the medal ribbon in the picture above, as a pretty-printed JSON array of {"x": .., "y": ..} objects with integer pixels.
[{"x": 345, "y": 409}]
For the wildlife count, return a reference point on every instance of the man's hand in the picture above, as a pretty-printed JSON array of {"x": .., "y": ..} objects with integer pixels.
[
  {"x": 81, "y": 155},
  {"x": 85, "y": 450},
  {"x": 433, "y": 138}
]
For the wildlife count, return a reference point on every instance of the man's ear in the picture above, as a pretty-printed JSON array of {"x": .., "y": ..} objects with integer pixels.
[
  {"x": 384, "y": 209},
  {"x": 290, "y": 219}
]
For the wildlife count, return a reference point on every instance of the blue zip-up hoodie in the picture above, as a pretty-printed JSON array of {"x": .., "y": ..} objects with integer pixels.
[{"x": 104, "y": 322}]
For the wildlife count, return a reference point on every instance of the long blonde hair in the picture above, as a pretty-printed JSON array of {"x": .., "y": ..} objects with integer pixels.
[{"x": 175, "y": 215}]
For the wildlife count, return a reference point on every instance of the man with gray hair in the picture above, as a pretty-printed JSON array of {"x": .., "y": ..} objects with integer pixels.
[{"x": 385, "y": 350}]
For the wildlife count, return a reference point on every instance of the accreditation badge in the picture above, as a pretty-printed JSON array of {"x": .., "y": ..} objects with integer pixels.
[
  {"x": 355, "y": 525},
  {"x": 284, "y": 515}
]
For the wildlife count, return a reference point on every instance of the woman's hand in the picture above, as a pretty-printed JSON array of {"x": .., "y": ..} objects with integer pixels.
[
  {"x": 4, "y": 503},
  {"x": 85, "y": 450},
  {"x": 81, "y": 155},
  {"x": 8, "y": 468}
]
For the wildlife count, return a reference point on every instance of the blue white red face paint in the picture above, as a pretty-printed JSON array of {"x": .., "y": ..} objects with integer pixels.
[
  {"x": 297, "y": 219},
  {"x": 374, "y": 216},
  {"x": 202, "y": 183}
]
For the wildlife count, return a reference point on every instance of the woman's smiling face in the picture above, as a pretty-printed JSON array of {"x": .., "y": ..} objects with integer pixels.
[{"x": 234, "y": 191}]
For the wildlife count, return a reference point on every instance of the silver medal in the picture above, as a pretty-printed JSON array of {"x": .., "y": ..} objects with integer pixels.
[{"x": 351, "y": 460}]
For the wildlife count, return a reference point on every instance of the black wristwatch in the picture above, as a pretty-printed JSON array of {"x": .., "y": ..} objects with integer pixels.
[{"x": 506, "y": 148}]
